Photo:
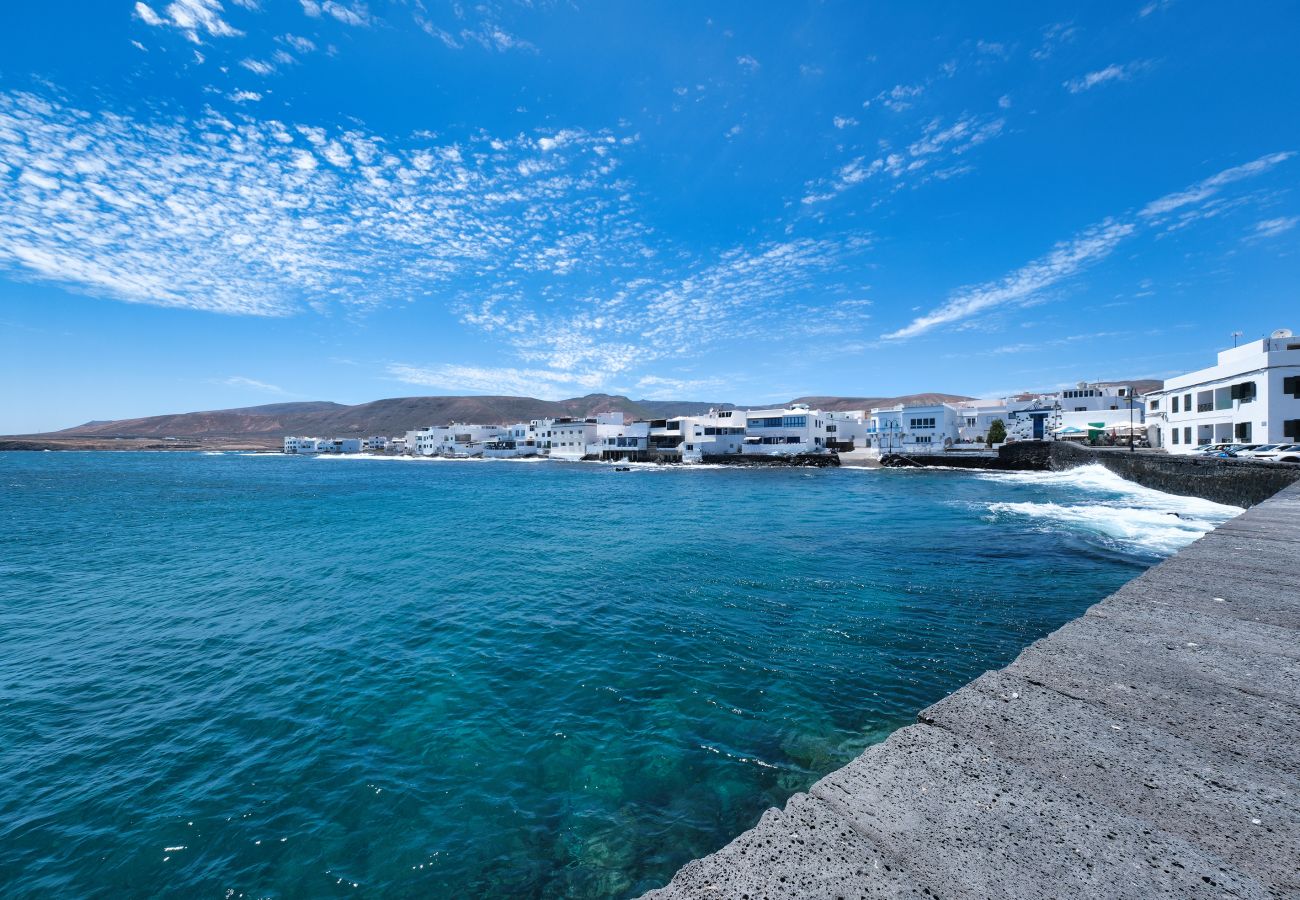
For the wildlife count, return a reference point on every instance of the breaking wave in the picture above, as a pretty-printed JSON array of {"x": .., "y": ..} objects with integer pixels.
[{"x": 1100, "y": 506}]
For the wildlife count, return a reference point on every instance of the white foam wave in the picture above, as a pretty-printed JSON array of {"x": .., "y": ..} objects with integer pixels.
[{"x": 1114, "y": 509}]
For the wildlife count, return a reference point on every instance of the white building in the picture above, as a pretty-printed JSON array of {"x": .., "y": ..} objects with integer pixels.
[
  {"x": 301, "y": 445},
  {"x": 340, "y": 445},
  {"x": 1252, "y": 395},
  {"x": 451, "y": 440},
  {"x": 566, "y": 438},
  {"x": 786, "y": 431},
  {"x": 618, "y": 438},
  {"x": 321, "y": 445}
]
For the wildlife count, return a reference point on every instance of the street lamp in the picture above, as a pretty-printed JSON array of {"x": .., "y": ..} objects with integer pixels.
[{"x": 1130, "y": 419}]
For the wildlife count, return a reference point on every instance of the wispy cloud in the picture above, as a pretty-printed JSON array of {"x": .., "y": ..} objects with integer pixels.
[
  {"x": 194, "y": 18},
  {"x": 1071, "y": 257},
  {"x": 239, "y": 381},
  {"x": 748, "y": 63},
  {"x": 940, "y": 143},
  {"x": 1204, "y": 190},
  {"x": 257, "y": 216},
  {"x": 348, "y": 13},
  {"x": 1054, "y": 37},
  {"x": 1273, "y": 227},
  {"x": 543, "y": 384},
  {"x": 1066, "y": 259},
  {"x": 1113, "y": 72}
]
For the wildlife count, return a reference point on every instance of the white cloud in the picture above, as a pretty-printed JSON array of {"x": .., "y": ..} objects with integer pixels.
[
  {"x": 244, "y": 97},
  {"x": 355, "y": 14},
  {"x": 301, "y": 44},
  {"x": 1071, "y": 257},
  {"x": 544, "y": 384},
  {"x": 1207, "y": 188},
  {"x": 257, "y": 66},
  {"x": 239, "y": 381},
  {"x": 1066, "y": 259},
  {"x": 1113, "y": 72},
  {"x": 1274, "y": 227},
  {"x": 748, "y": 63},
  {"x": 193, "y": 18},
  {"x": 149, "y": 211},
  {"x": 899, "y": 97},
  {"x": 844, "y": 122},
  {"x": 1054, "y": 36}
]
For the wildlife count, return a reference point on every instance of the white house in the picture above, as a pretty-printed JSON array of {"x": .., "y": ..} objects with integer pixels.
[
  {"x": 451, "y": 440},
  {"x": 566, "y": 438},
  {"x": 1252, "y": 395},
  {"x": 618, "y": 438},
  {"x": 301, "y": 445},
  {"x": 785, "y": 431}
]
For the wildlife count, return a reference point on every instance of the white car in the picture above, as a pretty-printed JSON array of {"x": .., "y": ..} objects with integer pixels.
[
  {"x": 1255, "y": 452},
  {"x": 1281, "y": 453}
]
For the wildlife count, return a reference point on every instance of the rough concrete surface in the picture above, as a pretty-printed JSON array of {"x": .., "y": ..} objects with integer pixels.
[{"x": 1149, "y": 748}]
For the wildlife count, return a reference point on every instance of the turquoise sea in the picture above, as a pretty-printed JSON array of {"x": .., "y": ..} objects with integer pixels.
[{"x": 234, "y": 675}]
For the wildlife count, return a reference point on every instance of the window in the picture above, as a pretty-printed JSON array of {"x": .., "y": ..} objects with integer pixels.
[
  {"x": 1245, "y": 392},
  {"x": 773, "y": 422},
  {"x": 1173, "y": 404},
  {"x": 1242, "y": 431},
  {"x": 1291, "y": 429},
  {"x": 1175, "y": 435},
  {"x": 1291, "y": 386},
  {"x": 920, "y": 438},
  {"x": 794, "y": 421},
  {"x": 1155, "y": 404},
  {"x": 1187, "y": 435},
  {"x": 1187, "y": 402},
  {"x": 927, "y": 422}
]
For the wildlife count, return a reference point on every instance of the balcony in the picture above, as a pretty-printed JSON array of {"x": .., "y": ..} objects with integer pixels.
[{"x": 1205, "y": 407}]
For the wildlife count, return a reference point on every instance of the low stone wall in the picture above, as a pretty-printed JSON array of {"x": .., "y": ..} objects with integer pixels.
[{"x": 816, "y": 460}]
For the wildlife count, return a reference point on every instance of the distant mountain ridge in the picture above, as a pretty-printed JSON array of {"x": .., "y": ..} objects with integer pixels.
[{"x": 394, "y": 416}]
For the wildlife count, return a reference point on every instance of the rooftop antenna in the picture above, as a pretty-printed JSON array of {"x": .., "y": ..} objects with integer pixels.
[{"x": 1235, "y": 335}]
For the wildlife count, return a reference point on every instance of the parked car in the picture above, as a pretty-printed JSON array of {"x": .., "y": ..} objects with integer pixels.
[
  {"x": 1255, "y": 452},
  {"x": 1232, "y": 451},
  {"x": 1210, "y": 449},
  {"x": 1282, "y": 453}
]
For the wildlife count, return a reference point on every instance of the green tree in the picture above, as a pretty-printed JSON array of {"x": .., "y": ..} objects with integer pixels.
[{"x": 997, "y": 432}]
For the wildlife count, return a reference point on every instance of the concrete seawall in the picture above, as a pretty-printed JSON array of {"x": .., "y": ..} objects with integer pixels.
[
  {"x": 1237, "y": 482},
  {"x": 1147, "y": 749}
]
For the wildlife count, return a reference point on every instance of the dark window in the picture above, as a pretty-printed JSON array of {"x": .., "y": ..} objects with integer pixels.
[
  {"x": 1173, "y": 404},
  {"x": 1291, "y": 386},
  {"x": 1175, "y": 435},
  {"x": 1155, "y": 404},
  {"x": 1187, "y": 435},
  {"x": 1291, "y": 429},
  {"x": 1242, "y": 431},
  {"x": 1245, "y": 392}
]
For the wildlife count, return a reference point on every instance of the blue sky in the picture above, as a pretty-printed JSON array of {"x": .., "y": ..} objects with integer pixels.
[{"x": 218, "y": 203}]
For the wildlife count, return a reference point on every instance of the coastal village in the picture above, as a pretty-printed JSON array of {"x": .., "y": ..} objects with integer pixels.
[{"x": 1251, "y": 396}]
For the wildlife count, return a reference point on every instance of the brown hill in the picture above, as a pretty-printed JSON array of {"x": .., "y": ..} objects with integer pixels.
[
  {"x": 391, "y": 416},
  {"x": 265, "y": 425},
  {"x": 835, "y": 404}
]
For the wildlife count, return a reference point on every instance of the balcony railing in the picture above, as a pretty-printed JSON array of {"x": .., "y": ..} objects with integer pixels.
[{"x": 1205, "y": 407}]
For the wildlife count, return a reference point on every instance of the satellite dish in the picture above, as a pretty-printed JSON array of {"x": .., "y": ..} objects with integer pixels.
[
  {"x": 1081, "y": 385},
  {"x": 1281, "y": 333}
]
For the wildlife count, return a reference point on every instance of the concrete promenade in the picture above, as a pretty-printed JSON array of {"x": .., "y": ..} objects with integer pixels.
[{"x": 1149, "y": 748}]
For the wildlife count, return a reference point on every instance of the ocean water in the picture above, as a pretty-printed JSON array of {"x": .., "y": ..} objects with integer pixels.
[{"x": 259, "y": 676}]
